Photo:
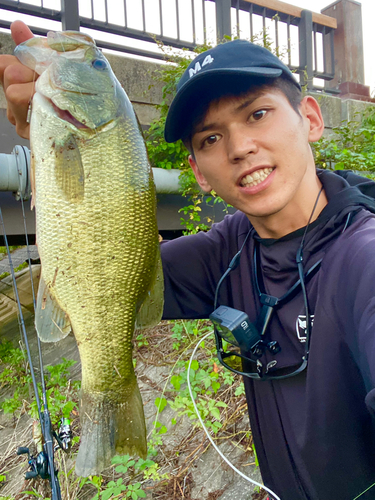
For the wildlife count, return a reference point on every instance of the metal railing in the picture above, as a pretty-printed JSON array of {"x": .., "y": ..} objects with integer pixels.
[{"x": 303, "y": 39}]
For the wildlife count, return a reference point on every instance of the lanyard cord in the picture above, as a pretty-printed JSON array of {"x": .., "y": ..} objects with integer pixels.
[{"x": 232, "y": 265}]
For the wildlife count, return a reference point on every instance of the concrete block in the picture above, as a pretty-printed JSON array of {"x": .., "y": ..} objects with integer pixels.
[
  {"x": 6, "y": 44},
  {"x": 331, "y": 109},
  {"x": 138, "y": 78},
  {"x": 146, "y": 113},
  {"x": 353, "y": 109}
]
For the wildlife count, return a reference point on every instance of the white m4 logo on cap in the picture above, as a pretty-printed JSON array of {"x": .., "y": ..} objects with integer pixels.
[{"x": 207, "y": 60}]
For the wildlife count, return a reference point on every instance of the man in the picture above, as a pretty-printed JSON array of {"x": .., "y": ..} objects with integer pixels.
[{"x": 305, "y": 276}]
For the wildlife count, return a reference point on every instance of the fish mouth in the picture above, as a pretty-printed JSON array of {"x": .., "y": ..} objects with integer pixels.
[
  {"x": 68, "y": 117},
  {"x": 256, "y": 176}
]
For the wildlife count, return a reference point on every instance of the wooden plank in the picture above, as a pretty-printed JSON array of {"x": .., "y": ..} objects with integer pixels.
[{"x": 294, "y": 11}]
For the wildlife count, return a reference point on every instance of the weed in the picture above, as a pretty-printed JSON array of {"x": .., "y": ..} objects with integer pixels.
[
  {"x": 15, "y": 375},
  {"x": 16, "y": 269},
  {"x": 352, "y": 146},
  {"x": 156, "y": 440},
  {"x": 11, "y": 249},
  {"x": 60, "y": 403}
]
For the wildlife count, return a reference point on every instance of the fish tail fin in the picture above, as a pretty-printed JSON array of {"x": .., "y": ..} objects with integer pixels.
[{"x": 109, "y": 429}]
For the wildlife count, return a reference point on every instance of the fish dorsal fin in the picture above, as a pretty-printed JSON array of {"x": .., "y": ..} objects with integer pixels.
[
  {"x": 69, "y": 169},
  {"x": 151, "y": 309},
  {"x": 38, "y": 53},
  {"x": 67, "y": 41},
  {"x": 51, "y": 322}
]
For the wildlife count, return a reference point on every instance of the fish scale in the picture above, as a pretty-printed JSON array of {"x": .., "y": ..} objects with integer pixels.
[{"x": 97, "y": 238}]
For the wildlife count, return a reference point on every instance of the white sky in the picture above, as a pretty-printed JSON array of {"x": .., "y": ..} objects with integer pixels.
[{"x": 116, "y": 16}]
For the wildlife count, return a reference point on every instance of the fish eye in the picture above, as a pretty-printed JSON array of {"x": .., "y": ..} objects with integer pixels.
[{"x": 99, "y": 64}]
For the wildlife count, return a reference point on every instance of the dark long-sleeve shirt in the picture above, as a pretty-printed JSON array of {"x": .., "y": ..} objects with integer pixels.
[{"x": 314, "y": 433}]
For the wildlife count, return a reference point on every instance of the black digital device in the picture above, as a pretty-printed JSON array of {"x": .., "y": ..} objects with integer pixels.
[{"x": 235, "y": 327}]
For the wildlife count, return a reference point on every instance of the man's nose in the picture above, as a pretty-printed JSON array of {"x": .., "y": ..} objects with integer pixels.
[{"x": 241, "y": 144}]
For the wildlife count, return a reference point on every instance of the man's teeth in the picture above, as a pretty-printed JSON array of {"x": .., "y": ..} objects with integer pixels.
[{"x": 256, "y": 177}]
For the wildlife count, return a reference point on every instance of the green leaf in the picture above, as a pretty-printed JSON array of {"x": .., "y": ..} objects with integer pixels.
[
  {"x": 175, "y": 381},
  {"x": 160, "y": 403},
  {"x": 106, "y": 495},
  {"x": 340, "y": 166},
  {"x": 194, "y": 365},
  {"x": 120, "y": 459},
  {"x": 216, "y": 413}
]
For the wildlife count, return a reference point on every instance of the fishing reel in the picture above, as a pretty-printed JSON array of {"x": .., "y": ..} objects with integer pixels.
[
  {"x": 39, "y": 463},
  {"x": 64, "y": 437}
]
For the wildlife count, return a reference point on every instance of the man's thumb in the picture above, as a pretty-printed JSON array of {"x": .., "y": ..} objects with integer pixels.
[{"x": 20, "y": 32}]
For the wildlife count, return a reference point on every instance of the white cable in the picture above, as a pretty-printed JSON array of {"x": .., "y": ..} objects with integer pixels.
[{"x": 208, "y": 434}]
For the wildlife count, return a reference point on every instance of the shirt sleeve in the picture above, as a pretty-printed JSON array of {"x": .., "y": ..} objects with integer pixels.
[
  {"x": 358, "y": 309},
  {"x": 192, "y": 267}
]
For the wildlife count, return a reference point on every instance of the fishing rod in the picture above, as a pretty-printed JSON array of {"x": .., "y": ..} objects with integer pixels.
[{"x": 43, "y": 464}]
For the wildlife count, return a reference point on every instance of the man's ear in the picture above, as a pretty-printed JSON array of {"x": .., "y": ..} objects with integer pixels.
[
  {"x": 310, "y": 109},
  {"x": 199, "y": 176}
]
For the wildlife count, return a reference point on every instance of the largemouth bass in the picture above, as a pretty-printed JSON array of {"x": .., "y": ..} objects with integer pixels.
[{"x": 96, "y": 234}]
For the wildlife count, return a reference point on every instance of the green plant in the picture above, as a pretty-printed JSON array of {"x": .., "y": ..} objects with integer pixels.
[
  {"x": 184, "y": 332},
  {"x": 204, "y": 382},
  {"x": 16, "y": 269},
  {"x": 11, "y": 249},
  {"x": 155, "y": 440},
  {"x": 351, "y": 147},
  {"x": 14, "y": 375},
  {"x": 141, "y": 340},
  {"x": 122, "y": 487},
  {"x": 60, "y": 402},
  {"x": 61, "y": 393}
]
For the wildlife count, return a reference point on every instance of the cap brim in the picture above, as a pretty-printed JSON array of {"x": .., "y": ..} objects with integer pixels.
[{"x": 180, "y": 109}]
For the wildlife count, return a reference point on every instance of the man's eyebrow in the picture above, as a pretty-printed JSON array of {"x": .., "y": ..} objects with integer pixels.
[
  {"x": 198, "y": 129},
  {"x": 243, "y": 105},
  {"x": 250, "y": 100}
]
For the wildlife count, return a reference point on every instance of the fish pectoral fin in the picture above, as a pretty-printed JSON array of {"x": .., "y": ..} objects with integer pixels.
[
  {"x": 51, "y": 322},
  {"x": 69, "y": 169},
  {"x": 151, "y": 309}
]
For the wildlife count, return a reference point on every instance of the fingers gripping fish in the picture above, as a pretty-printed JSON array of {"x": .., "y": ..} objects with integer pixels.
[{"x": 96, "y": 232}]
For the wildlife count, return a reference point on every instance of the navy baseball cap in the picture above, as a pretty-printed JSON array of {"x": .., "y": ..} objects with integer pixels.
[{"x": 238, "y": 58}]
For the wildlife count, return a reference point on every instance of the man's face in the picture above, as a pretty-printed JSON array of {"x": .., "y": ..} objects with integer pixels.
[{"x": 254, "y": 152}]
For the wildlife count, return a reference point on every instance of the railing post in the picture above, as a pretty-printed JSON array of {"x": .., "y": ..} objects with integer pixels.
[
  {"x": 70, "y": 15},
  {"x": 306, "y": 49},
  {"x": 348, "y": 46},
  {"x": 223, "y": 22}
]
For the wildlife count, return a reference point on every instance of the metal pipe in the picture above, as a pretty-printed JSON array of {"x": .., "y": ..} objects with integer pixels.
[
  {"x": 14, "y": 174},
  {"x": 166, "y": 181}
]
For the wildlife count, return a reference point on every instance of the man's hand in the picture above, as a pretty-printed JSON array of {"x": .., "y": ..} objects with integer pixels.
[{"x": 18, "y": 82}]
